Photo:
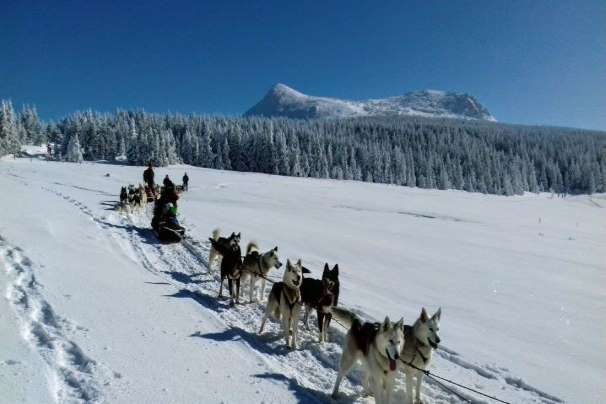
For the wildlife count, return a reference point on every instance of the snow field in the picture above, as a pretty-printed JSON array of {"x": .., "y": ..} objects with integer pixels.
[{"x": 345, "y": 223}]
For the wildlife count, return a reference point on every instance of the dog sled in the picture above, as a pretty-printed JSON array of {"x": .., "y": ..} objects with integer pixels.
[
  {"x": 167, "y": 229},
  {"x": 168, "y": 234},
  {"x": 164, "y": 221}
]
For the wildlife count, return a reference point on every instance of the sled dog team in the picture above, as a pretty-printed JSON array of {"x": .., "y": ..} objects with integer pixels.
[
  {"x": 382, "y": 348},
  {"x": 132, "y": 198}
]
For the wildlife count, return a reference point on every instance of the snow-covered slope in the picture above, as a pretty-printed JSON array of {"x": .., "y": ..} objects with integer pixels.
[
  {"x": 94, "y": 309},
  {"x": 282, "y": 100}
]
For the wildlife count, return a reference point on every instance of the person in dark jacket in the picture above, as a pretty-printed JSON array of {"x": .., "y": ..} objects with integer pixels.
[
  {"x": 148, "y": 178},
  {"x": 167, "y": 182},
  {"x": 185, "y": 182}
]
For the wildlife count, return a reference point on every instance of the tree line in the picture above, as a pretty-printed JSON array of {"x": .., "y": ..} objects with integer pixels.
[{"x": 475, "y": 156}]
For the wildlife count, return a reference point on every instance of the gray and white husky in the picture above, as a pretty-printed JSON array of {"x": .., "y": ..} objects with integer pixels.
[
  {"x": 284, "y": 303},
  {"x": 421, "y": 339},
  {"x": 257, "y": 265},
  {"x": 377, "y": 346}
]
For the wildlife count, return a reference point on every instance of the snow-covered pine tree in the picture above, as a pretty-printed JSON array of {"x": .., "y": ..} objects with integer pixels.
[
  {"x": 32, "y": 126},
  {"x": 226, "y": 153},
  {"x": 9, "y": 136},
  {"x": 74, "y": 152}
]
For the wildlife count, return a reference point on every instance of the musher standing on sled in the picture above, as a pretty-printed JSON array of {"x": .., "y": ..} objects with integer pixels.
[{"x": 148, "y": 178}]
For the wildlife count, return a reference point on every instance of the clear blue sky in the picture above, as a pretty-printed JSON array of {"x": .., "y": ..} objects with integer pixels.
[{"x": 537, "y": 62}]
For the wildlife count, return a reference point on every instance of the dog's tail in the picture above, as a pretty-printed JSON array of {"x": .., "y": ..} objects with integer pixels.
[
  {"x": 216, "y": 234},
  {"x": 345, "y": 317},
  {"x": 252, "y": 246}
]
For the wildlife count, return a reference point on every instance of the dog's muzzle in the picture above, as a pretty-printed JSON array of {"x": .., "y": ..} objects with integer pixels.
[
  {"x": 279, "y": 264},
  {"x": 392, "y": 361},
  {"x": 434, "y": 344}
]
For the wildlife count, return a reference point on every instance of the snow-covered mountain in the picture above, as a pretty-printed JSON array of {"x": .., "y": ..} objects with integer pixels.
[{"x": 282, "y": 100}]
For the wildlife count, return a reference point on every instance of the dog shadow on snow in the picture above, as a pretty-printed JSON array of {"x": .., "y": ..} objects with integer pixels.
[
  {"x": 302, "y": 394},
  {"x": 257, "y": 342},
  {"x": 205, "y": 300},
  {"x": 146, "y": 234},
  {"x": 188, "y": 279},
  {"x": 110, "y": 205},
  {"x": 305, "y": 394},
  {"x": 263, "y": 344}
]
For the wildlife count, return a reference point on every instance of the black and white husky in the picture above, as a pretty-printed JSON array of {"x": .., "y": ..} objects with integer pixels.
[
  {"x": 257, "y": 265},
  {"x": 231, "y": 263},
  {"x": 215, "y": 255},
  {"x": 123, "y": 199},
  {"x": 421, "y": 339},
  {"x": 377, "y": 346},
  {"x": 284, "y": 303},
  {"x": 321, "y": 295}
]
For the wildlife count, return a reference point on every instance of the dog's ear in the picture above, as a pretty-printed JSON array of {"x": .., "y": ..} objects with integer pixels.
[
  {"x": 232, "y": 235},
  {"x": 238, "y": 235},
  {"x": 335, "y": 269},
  {"x": 299, "y": 262},
  {"x": 424, "y": 316},
  {"x": 326, "y": 269},
  {"x": 437, "y": 314},
  {"x": 386, "y": 323},
  {"x": 276, "y": 249},
  {"x": 288, "y": 264},
  {"x": 400, "y": 324},
  {"x": 306, "y": 271}
]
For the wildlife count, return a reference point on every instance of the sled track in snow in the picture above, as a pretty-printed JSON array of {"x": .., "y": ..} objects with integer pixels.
[
  {"x": 310, "y": 371},
  {"x": 73, "y": 375}
]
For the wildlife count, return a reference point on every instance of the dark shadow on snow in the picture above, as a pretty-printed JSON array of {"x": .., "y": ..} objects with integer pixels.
[
  {"x": 186, "y": 278},
  {"x": 255, "y": 341},
  {"x": 204, "y": 300},
  {"x": 110, "y": 205},
  {"x": 302, "y": 394},
  {"x": 146, "y": 234}
]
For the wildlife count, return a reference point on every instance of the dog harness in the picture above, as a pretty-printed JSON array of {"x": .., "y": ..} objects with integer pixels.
[
  {"x": 408, "y": 333},
  {"x": 293, "y": 299}
]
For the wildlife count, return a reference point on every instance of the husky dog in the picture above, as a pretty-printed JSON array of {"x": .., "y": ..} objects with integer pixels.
[
  {"x": 123, "y": 199},
  {"x": 257, "y": 265},
  {"x": 131, "y": 194},
  {"x": 231, "y": 264},
  {"x": 421, "y": 339},
  {"x": 142, "y": 195},
  {"x": 284, "y": 303},
  {"x": 214, "y": 254},
  {"x": 377, "y": 346},
  {"x": 321, "y": 295},
  {"x": 136, "y": 198}
]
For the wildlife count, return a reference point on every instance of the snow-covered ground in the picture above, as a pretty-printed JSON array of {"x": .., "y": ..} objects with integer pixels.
[{"x": 95, "y": 310}]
